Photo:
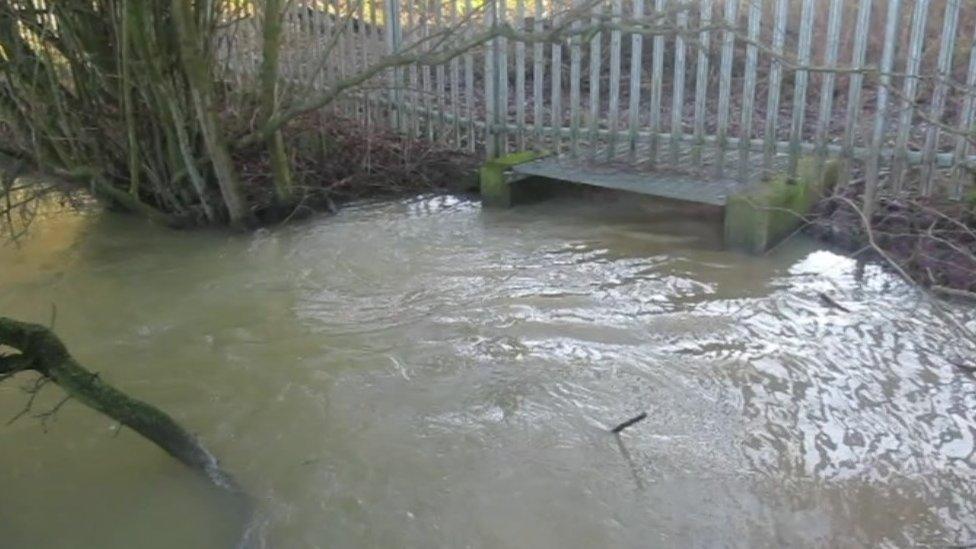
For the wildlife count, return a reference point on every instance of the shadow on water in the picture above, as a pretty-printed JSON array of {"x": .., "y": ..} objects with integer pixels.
[{"x": 638, "y": 481}]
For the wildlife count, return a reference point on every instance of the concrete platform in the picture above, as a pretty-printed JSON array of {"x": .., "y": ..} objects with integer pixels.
[
  {"x": 666, "y": 184},
  {"x": 688, "y": 173},
  {"x": 762, "y": 205}
]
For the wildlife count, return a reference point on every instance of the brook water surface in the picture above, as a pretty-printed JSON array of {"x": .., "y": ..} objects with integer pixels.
[{"x": 422, "y": 373}]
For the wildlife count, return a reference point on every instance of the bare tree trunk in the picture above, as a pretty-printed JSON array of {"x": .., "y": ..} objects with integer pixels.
[
  {"x": 201, "y": 86},
  {"x": 273, "y": 14}
]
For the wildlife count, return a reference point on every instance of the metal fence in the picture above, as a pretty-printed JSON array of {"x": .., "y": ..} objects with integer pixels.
[{"x": 730, "y": 87}]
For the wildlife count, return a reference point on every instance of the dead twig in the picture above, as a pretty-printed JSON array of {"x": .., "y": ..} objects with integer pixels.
[
  {"x": 636, "y": 419},
  {"x": 832, "y": 303},
  {"x": 33, "y": 391},
  {"x": 50, "y": 414}
]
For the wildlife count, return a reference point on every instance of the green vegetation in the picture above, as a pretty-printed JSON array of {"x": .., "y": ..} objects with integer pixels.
[{"x": 120, "y": 95}]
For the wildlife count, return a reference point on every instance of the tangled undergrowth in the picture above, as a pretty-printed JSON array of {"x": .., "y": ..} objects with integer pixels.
[
  {"x": 335, "y": 160},
  {"x": 932, "y": 241}
]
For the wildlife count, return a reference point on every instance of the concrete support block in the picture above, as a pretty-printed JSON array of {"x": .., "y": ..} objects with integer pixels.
[
  {"x": 496, "y": 179},
  {"x": 759, "y": 218}
]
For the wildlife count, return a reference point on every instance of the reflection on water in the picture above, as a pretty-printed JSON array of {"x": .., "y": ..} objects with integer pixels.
[{"x": 426, "y": 374}]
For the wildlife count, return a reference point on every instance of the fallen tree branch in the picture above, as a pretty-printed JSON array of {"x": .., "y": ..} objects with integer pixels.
[{"x": 41, "y": 351}]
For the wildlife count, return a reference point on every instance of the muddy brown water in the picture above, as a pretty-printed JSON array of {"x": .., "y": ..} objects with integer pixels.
[{"x": 422, "y": 373}]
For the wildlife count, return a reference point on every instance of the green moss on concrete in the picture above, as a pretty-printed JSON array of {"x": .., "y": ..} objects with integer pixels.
[
  {"x": 516, "y": 158},
  {"x": 759, "y": 218},
  {"x": 496, "y": 189},
  {"x": 494, "y": 186}
]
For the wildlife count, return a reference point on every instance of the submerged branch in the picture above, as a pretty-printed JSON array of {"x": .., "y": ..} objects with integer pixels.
[{"x": 41, "y": 351}]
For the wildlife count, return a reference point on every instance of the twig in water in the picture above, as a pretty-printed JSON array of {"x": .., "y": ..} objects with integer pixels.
[
  {"x": 832, "y": 303},
  {"x": 403, "y": 371},
  {"x": 33, "y": 391},
  {"x": 616, "y": 430},
  {"x": 47, "y": 416},
  {"x": 969, "y": 369}
]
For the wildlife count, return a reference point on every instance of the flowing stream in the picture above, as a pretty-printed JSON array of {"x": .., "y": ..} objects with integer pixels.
[{"x": 422, "y": 373}]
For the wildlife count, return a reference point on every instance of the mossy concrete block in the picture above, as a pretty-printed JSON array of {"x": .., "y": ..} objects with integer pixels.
[
  {"x": 495, "y": 180},
  {"x": 759, "y": 218}
]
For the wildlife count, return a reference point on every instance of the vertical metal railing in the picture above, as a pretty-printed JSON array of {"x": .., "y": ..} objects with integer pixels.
[
  {"x": 725, "y": 83},
  {"x": 872, "y": 170},
  {"x": 888, "y": 85},
  {"x": 965, "y": 126},
  {"x": 394, "y": 41},
  {"x": 701, "y": 79},
  {"x": 912, "y": 72},
  {"x": 749, "y": 87},
  {"x": 636, "y": 74},
  {"x": 613, "y": 101},
  {"x": 856, "y": 79},
  {"x": 657, "y": 84},
  {"x": 936, "y": 111}
]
